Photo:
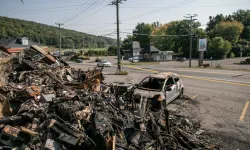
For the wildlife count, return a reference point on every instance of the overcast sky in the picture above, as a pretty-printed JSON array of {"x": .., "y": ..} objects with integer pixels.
[{"x": 97, "y": 17}]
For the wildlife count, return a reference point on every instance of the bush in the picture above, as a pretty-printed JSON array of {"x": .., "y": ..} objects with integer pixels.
[
  {"x": 218, "y": 66},
  {"x": 97, "y": 59},
  {"x": 232, "y": 55},
  {"x": 83, "y": 57},
  {"x": 121, "y": 72}
]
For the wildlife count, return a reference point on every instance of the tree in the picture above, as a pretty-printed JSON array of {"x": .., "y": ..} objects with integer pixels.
[
  {"x": 246, "y": 32},
  {"x": 143, "y": 28},
  {"x": 127, "y": 43},
  {"x": 229, "y": 30},
  {"x": 213, "y": 21},
  {"x": 177, "y": 43},
  {"x": 242, "y": 16},
  {"x": 48, "y": 35},
  {"x": 112, "y": 51},
  {"x": 219, "y": 48}
]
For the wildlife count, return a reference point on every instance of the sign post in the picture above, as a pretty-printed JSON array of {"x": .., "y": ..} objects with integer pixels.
[{"x": 202, "y": 47}]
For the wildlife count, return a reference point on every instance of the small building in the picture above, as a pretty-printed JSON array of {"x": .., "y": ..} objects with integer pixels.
[
  {"x": 151, "y": 53},
  {"x": 127, "y": 53},
  {"x": 15, "y": 45}
]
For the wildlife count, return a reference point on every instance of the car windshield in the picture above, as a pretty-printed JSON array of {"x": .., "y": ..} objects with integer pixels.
[
  {"x": 152, "y": 83},
  {"x": 104, "y": 61}
]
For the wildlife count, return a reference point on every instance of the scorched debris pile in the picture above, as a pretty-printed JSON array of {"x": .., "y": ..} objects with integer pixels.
[{"x": 49, "y": 105}]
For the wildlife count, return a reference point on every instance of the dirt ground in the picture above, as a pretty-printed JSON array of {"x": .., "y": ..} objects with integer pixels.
[{"x": 190, "y": 109}]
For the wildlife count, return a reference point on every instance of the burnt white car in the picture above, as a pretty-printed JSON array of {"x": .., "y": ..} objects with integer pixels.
[{"x": 165, "y": 87}]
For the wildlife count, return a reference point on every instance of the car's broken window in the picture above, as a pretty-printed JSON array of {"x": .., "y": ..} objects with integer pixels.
[
  {"x": 176, "y": 79},
  {"x": 170, "y": 82},
  {"x": 152, "y": 83}
]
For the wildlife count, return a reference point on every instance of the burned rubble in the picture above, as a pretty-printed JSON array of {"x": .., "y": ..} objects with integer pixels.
[{"x": 49, "y": 105}]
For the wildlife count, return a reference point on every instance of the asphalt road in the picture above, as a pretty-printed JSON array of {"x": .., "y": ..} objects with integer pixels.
[{"x": 223, "y": 97}]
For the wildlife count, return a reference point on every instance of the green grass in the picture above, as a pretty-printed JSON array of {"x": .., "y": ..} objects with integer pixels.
[{"x": 140, "y": 63}]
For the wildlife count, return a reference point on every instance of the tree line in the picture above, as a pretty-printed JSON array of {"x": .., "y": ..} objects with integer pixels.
[
  {"x": 228, "y": 36},
  {"x": 49, "y": 35}
]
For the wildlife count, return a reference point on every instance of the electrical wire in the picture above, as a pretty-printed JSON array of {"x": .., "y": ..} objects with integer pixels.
[
  {"x": 75, "y": 11},
  {"x": 89, "y": 24},
  {"x": 91, "y": 13},
  {"x": 77, "y": 14},
  {"x": 188, "y": 6},
  {"x": 158, "y": 10}
]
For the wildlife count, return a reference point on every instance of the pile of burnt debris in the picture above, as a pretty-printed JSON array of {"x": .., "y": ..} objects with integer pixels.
[{"x": 51, "y": 106}]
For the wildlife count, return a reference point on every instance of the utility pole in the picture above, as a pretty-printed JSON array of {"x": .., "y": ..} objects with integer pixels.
[
  {"x": 191, "y": 17},
  {"x": 116, "y": 2},
  {"x": 60, "y": 39},
  {"x": 118, "y": 37}
]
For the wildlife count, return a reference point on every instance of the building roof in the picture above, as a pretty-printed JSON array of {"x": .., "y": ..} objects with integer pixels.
[
  {"x": 16, "y": 43},
  {"x": 150, "y": 49}
]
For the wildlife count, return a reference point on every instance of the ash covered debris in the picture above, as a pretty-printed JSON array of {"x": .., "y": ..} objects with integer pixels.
[{"x": 50, "y": 106}]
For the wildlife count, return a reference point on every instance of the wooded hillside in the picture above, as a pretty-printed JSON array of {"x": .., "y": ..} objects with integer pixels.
[{"x": 49, "y": 35}]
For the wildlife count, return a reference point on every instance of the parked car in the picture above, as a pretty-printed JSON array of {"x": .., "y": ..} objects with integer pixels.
[
  {"x": 134, "y": 59},
  {"x": 181, "y": 59},
  {"x": 104, "y": 63},
  {"x": 162, "y": 88}
]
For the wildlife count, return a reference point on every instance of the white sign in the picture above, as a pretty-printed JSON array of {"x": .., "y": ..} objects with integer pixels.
[
  {"x": 202, "y": 44},
  {"x": 136, "y": 45}
]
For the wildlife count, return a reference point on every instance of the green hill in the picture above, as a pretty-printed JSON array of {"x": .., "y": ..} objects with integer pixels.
[{"x": 48, "y": 35}]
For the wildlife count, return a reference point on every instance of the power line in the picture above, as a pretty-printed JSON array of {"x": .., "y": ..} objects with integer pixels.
[
  {"x": 77, "y": 14},
  {"x": 91, "y": 13},
  {"x": 148, "y": 7},
  {"x": 158, "y": 10},
  {"x": 75, "y": 11},
  {"x": 152, "y": 35},
  {"x": 180, "y": 3},
  {"x": 90, "y": 24}
]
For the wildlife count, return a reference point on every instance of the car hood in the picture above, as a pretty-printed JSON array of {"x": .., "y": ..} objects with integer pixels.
[{"x": 146, "y": 93}]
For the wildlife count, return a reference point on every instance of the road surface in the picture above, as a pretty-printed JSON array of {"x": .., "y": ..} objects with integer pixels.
[{"x": 223, "y": 97}]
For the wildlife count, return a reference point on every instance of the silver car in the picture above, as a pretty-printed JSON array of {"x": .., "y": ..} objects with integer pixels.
[
  {"x": 104, "y": 63},
  {"x": 166, "y": 86}
]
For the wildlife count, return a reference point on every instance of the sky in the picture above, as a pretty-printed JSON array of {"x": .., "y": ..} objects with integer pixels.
[{"x": 99, "y": 18}]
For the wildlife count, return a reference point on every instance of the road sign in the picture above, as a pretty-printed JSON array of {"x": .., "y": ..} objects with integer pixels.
[{"x": 202, "y": 44}]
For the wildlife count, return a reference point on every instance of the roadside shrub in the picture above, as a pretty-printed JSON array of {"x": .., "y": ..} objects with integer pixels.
[
  {"x": 218, "y": 66},
  {"x": 232, "y": 55},
  {"x": 122, "y": 72},
  {"x": 83, "y": 57},
  {"x": 97, "y": 52},
  {"x": 97, "y": 59}
]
